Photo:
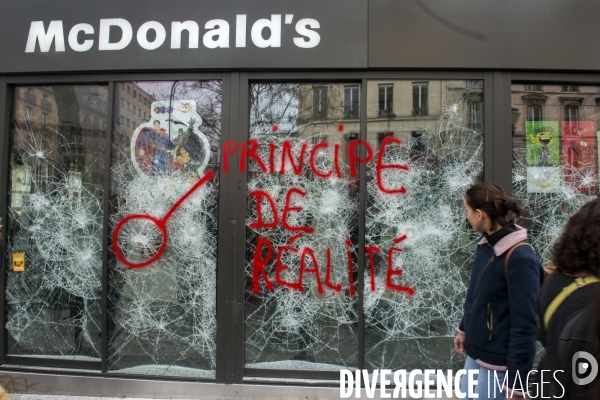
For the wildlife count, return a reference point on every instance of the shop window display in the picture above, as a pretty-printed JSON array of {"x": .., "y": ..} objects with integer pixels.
[
  {"x": 56, "y": 221},
  {"x": 162, "y": 281},
  {"x": 555, "y": 158}
]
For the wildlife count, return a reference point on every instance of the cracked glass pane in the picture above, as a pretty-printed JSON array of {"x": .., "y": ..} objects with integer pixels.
[
  {"x": 58, "y": 136},
  {"x": 162, "y": 281},
  {"x": 555, "y": 156},
  {"x": 302, "y": 227},
  {"x": 435, "y": 129}
]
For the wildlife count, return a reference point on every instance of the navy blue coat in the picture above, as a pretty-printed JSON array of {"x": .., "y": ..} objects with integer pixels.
[{"x": 499, "y": 319}]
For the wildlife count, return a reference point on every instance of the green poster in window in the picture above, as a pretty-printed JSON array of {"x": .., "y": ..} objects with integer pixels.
[{"x": 543, "y": 143}]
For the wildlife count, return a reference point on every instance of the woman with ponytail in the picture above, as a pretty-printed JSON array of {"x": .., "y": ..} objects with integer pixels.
[{"x": 498, "y": 328}]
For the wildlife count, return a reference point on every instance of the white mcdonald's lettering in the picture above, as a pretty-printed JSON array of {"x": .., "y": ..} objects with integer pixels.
[{"x": 216, "y": 34}]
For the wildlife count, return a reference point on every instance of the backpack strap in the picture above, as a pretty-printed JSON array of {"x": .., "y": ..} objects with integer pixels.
[
  {"x": 566, "y": 292},
  {"x": 508, "y": 257}
]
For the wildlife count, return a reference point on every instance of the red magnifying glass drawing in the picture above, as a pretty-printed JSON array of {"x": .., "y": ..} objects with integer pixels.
[{"x": 160, "y": 223}]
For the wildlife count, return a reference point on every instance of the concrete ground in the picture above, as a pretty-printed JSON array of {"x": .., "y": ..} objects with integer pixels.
[
  {"x": 50, "y": 397},
  {"x": 51, "y": 386}
]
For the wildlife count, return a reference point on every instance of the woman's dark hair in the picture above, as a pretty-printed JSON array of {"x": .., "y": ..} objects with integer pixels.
[
  {"x": 494, "y": 201},
  {"x": 578, "y": 248}
]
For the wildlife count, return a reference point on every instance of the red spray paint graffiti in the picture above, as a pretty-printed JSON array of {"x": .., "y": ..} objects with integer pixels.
[
  {"x": 287, "y": 159},
  {"x": 160, "y": 223},
  {"x": 287, "y": 209},
  {"x": 261, "y": 262},
  {"x": 263, "y": 255}
]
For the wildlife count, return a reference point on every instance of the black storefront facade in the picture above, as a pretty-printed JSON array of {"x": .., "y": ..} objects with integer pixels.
[{"x": 226, "y": 192}]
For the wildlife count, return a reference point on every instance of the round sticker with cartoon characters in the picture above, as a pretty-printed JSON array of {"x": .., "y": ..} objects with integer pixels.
[{"x": 171, "y": 142}]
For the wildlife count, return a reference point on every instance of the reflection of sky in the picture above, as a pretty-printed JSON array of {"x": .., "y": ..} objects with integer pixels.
[
  {"x": 159, "y": 90},
  {"x": 184, "y": 90},
  {"x": 283, "y": 112},
  {"x": 206, "y": 94},
  {"x": 289, "y": 118},
  {"x": 175, "y": 121}
]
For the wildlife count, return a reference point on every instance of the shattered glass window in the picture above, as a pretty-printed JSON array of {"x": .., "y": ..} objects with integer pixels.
[
  {"x": 55, "y": 226},
  {"x": 415, "y": 221},
  {"x": 555, "y": 157},
  {"x": 163, "y": 216},
  {"x": 302, "y": 229}
]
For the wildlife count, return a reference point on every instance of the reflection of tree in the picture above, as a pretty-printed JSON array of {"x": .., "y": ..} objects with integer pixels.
[
  {"x": 303, "y": 110},
  {"x": 273, "y": 104},
  {"x": 316, "y": 108},
  {"x": 209, "y": 97}
]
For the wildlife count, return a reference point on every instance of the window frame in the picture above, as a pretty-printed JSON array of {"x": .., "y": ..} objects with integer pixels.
[
  {"x": 569, "y": 88},
  {"x": 230, "y": 366},
  {"x": 351, "y": 104},
  {"x": 420, "y": 108},
  {"x": 571, "y": 112},
  {"x": 497, "y": 134},
  {"x": 385, "y": 100},
  {"x": 534, "y": 110},
  {"x": 319, "y": 110}
]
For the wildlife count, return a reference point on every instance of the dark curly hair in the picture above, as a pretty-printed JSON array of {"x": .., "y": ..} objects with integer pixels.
[
  {"x": 491, "y": 198},
  {"x": 578, "y": 248}
]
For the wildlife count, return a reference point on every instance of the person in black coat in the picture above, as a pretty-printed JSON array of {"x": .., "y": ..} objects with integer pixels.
[
  {"x": 580, "y": 334},
  {"x": 575, "y": 325}
]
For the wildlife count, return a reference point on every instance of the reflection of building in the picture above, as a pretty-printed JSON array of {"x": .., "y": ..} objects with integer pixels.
[
  {"x": 65, "y": 127},
  {"x": 413, "y": 111},
  {"x": 39, "y": 103},
  {"x": 551, "y": 103},
  {"x": 133, "y": 105},
  {"x": 555, "y": 154},
  {"x": 131, "y": 108},
  {"x": 568, "y": 112},
  {"x": 35, "y": 109},
  {"x": 406, "y": 110},
  {"x": 440, "y": 125},
  {"x": 329, "y": 113}
]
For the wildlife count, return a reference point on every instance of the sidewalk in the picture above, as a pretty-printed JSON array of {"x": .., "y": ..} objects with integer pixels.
[
  {"x": 50, "y": 397},
  {"x": 52, "y": 386}
]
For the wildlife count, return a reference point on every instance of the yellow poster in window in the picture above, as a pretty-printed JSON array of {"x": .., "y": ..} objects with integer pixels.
[{"x": 18, "y": 262}]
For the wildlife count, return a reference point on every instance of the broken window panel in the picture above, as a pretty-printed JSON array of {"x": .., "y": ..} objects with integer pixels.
[
  {"x": 162, "y": 280},
  {"x": 555, "y": 157},
  {"x": 55, "y": 226},
  {"x": 302, "y": 230},
  {"x": 415, "y": 221}
]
